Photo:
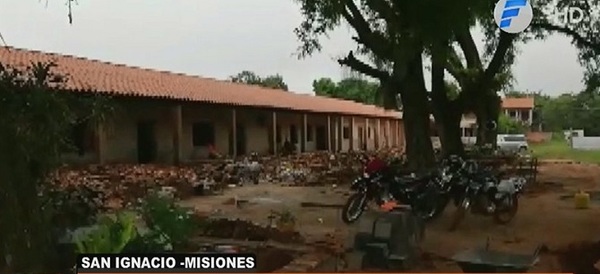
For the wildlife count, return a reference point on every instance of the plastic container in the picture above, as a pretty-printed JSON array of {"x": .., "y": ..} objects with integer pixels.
[{"x": 582, "y": 200}]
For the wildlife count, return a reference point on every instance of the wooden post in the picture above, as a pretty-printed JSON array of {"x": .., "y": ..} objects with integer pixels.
[
  {"x": 352, "y": 133},
  {"x": 329, "y": 140},
  {"x": 274, "y": 129},
  {"x": 177, "y": 133},
  {"x": 340, "y": 133},
  {"x": 366, "y": 133},
  {"x": 378, "y": 129},
  {"x": 100, "y": 143},
  {"x": 388, "y": 133},
  {"x": 304, "y": 132},
  {"x": 234, "y": 132},
  {"x": 398, "y": 134}
]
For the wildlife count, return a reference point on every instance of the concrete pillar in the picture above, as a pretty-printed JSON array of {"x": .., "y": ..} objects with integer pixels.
[
  {"x": 329, "y": 139},
  {"x": 530, "y": 116},
  {"x": 304, "y": 133},
  {"x": 274, "y": 130},
  {"x": 100, "y": 143},
  {"x": 234, "y": 132},
  {"x": 177, "y": 134},
  {"x": 352, "y": 134}
]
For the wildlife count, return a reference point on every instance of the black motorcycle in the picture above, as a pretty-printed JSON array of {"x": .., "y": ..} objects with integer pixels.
[
  {"x": 448, "y": 183},
  {"x": 382, "y": 182},
  {"x": 484, "y": 194}
]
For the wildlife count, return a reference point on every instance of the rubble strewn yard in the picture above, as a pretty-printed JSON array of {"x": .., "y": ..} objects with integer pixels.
[{"x": 546, "y": 215}]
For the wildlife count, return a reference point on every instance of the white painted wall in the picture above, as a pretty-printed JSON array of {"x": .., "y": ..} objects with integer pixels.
[{"x": 586, "y": 143}]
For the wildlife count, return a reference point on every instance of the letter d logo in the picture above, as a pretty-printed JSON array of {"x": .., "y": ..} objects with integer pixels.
[{"x": 513, "y": 16}]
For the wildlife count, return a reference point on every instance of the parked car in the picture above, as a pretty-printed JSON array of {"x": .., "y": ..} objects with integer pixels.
[{"x": 512, "y": 143}]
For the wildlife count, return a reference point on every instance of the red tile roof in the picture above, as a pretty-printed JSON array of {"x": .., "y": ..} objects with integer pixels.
[
  {"x": 85, "y": 75},
  {"x": 518, "y": 103}
]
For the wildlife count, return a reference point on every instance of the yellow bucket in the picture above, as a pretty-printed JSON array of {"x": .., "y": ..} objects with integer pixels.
[{"x": 582, "y": 200}]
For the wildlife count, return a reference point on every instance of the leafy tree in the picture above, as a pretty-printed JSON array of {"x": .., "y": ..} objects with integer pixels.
[
  {"x": 35, "y": 118},
  {"x": 506, "y": 125},
  {"x": 395, "y": 35},
  {"x": 355, "y": 89},
  {"x": 251, "y": 78},
  {"x": 577, "y": 111}
]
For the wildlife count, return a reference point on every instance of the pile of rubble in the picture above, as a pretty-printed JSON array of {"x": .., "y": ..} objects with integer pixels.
[{"x": 123, "y": 182}]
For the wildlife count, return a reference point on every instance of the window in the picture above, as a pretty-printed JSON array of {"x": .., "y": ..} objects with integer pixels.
[
  {"x": 512, "y": 114},
  {"x": 369, "y": 132},
  {"x": 293, "y": 134},
  {"x": 514, "y": 138},
  {"x": 361, "y": 132},
  {"x": 81, "y": 138},
  {"x": 346, "y": 133},
  {"x": 203, "y": 134},
  {"x": 309, "y": 133}
]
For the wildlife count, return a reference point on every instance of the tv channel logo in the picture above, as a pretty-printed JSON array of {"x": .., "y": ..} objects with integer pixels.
[{"x": 513, "y": 16}]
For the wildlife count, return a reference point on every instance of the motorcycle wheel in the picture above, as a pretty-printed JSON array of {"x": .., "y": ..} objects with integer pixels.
[
  {"x": 431, "y": 206},
  {"x": 354, "y": 208},
  {"x": 441, "y": 206},
  {"x": 506, "y": 213},
  {"x": 460, "y": 213}
]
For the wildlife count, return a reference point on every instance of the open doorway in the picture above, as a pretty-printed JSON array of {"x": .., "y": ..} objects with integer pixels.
[
  {"x": 240, "y": 132},
  {"x": 321, "y": 135},
  {"x": 146, "y": 142}
]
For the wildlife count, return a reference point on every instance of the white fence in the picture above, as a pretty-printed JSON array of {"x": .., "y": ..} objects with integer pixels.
[{"x": 586, "y": 143}]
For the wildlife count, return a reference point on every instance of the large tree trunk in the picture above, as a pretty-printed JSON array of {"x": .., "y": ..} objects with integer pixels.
[
  {"x": 447, "y": 113},
  {"x": 487, "y": 112},
  {"x": 419, "y": 150},
  {"x": 448, "y": 123}
]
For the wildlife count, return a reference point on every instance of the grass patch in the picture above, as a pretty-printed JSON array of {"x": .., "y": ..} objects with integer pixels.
[{"x": 559, "y": 149}]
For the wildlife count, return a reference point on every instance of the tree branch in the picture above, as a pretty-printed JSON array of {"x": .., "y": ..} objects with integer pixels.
[
  {"x": 578, "y": 38},
  {"x": 455, "y": 67},
  {"x": 364, "y": 68},
  {"x": 469, "y": 48},
  {"x": 506, "y": 40},
  {"x": 374, "y": 40}
]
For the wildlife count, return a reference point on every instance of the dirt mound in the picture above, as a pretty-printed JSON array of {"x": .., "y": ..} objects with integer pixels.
[
  {"x": 271, "y": 259},
  {"x": 245, "y": 230},
  {"x": 580, "y": 258}
]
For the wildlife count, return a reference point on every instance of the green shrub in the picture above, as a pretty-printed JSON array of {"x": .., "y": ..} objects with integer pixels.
[
  {"x": 165, "y": 218},
  {"x": 111, "y": 235}
]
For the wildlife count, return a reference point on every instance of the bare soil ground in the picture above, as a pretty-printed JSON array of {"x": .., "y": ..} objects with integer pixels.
[{"x": 543, "y": 217}]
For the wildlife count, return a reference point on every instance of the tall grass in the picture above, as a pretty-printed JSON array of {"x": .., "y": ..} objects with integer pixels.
[{"x": 560, "y": 150}]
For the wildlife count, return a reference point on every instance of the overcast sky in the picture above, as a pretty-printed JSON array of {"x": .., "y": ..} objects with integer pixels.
[{"x": 218, "y": 38}]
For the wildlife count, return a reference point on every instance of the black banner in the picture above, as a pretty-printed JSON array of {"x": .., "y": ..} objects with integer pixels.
[{"x": 162, "y": 263}]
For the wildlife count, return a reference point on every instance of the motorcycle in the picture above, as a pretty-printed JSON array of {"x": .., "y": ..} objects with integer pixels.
[
  {"x": 484, "y": 194},
  {"x": 381, "y": 183},
  {"x": 448, "y": 183}
]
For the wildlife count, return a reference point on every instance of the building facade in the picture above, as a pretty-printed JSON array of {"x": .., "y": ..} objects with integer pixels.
[{"x": 167, "y": 117}]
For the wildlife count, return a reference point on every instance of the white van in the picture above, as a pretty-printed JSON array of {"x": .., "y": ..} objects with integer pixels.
[{"x": 512, "y": 143}]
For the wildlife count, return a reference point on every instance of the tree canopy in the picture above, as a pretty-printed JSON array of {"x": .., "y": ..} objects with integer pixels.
[
  {"x": 251, "y": 78},
  {"x": 355, "y": 89},
  {"x": 393, "y": 36}
]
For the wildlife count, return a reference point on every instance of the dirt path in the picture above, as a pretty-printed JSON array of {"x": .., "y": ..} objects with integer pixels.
[{"x": 543, "y": 217}]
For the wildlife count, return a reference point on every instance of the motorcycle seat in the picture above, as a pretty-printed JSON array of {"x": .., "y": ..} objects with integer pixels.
[{"x": 414, "y": 178}]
